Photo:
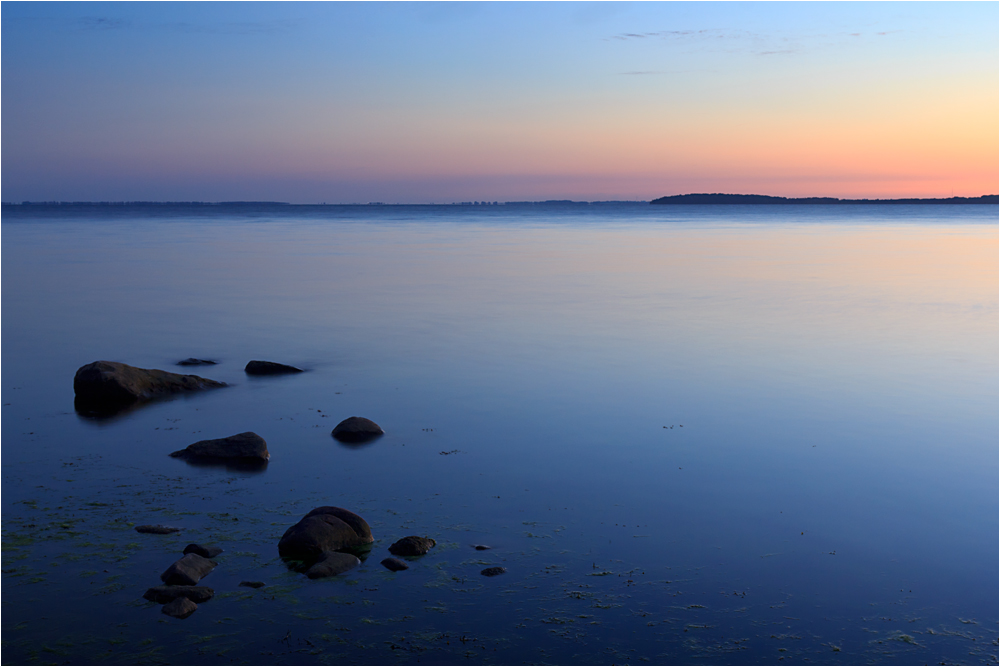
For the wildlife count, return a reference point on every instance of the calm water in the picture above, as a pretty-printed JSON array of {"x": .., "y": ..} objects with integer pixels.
[{"x": 691, "y": 435}]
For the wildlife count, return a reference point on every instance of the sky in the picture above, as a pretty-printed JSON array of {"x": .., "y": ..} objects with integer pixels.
[{"x": 443, "y": 102}]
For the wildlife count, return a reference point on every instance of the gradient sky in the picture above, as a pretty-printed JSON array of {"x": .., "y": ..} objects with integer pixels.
[{"x": 428, "y": 102}]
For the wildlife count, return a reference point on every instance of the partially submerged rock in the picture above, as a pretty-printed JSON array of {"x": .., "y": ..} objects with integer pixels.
[
  {"x": 269, "y": 368},
  {"x": 412, "y": 546},
  {"x": 156, "y": 529},
  {"x": 481, "y": 547},
  {"x": 252, "y": 584},
  {"x": 493, "y": 571},
  {"x": 108, "y": 386},
  {"x": 179, "y": 608},
  {"x": 324, "y": 529},
  {"x": 164, "y": 594},
  {"x": 204, "y": 552},
  {"x": 187, "y": 571},
  {"x": 357, "y": 429},
  {"x": 191, "y": 361},
  {"x": 395, "y": 564},
  {"x": 332, "y": 564},
  {"x": 247, "y": 446}
]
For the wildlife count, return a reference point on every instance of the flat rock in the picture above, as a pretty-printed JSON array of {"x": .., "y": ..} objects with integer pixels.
[
  {"x": 106, "y": 386},
  {"x": 332, "y": 564},
  {"x": 493, "y": 571},
  {"x": 157, "y": 529},
  {"x": 164, "y": 594},
  {"x": 322, "y": 530},
  {"x": 191, "y": 361},
  {"x": 269, "y": 368},
  {"x": 357, "y": 429},
  {"x": 244, "y": 446},
  {"x": 395, "y": 564},
  {"x": 204, "y": 552},
  {"x": 252, "y": 584},
  {"x": 481, "y": 547},
  {"x": 412, "y": 546},
  {"x": 179, "y": 608},
  {"x": 187, "y": 571}
]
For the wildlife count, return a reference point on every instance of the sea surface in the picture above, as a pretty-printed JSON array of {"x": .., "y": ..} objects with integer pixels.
[{"x": 713, "y": 435}]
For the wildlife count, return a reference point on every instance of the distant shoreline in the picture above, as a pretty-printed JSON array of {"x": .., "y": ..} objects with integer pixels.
[{"x": 756, "y": 200}]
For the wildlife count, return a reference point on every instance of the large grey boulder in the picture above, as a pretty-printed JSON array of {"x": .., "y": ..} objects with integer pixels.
[
  {"x": 244, "y": 447},
  {"x": 165, "y": 594},
  {"x": 107, "y": 386},
  {"x": 332, "y": 564},
  {"x": 323, "y": 530},
  {"x": 187, "y": 571},
  {"x": 269, "y": 368},
  {"x": 357, "y": 429}
]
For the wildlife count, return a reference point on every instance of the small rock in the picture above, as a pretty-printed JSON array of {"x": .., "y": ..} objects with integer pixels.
[
  {"x": 191, "y": 361},
  {"x": 412, "y": 546},
  {"x": 204, "y": 552},
  {"x": 244, "y": 446},
  {"x": 107, "y": 386},
  {"x": 156, "y": 529},
  {"x": 187, "y": 571},
  {"x": 395, "y": 564},
  {"x": 357, "y": 429},
  {"x": 481, "y": 547},
  {"x": 179, "y": 608},
  {"x": 252, "y": 584},
  {"x": 164, "y": 594},
  {"x": 269, "y": 368},
  {"x": 332, "y": 564},
  {"x": 493, "y": 571},
  {"x": 322, "y": 530}
]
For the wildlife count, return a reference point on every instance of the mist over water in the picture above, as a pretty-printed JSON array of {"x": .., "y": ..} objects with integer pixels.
[{"x": 719, "y": 434}]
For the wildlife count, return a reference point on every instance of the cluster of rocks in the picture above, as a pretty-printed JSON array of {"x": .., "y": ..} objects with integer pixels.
[{"x": 180, "y": 593}]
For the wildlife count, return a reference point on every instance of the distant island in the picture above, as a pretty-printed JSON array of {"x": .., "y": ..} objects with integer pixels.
[{"x": 702, "y": 199}]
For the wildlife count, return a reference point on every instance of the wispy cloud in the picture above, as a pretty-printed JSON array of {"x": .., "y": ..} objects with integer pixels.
[
  {"x": 233, "y": 27},
  {"x": 102, "y": 23}
]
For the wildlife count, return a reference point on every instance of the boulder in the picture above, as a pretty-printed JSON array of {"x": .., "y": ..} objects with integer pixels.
[
  {"x": 179, "y": 608},
  {"x": 107, "y": 386},
  {"x": 204, "y": 552},
  {"x": 244, "y": 446},
  {"x": 357, "y": 429},
  {"x": 191, "y": 361},
  {"x": 395, "y": 564},
  {"x": 493, "y": 571},
  {"x": 252, "y": 584},
  {"x": 157, "y": 529},
  {"x": 269, "y": 368},
  {"x": 324, "y": 529},
  {"x": 187, "y": 571},
  {"x": 331, "y": 564},
  {"x": 164, "y": 594},
  {"x": 412, "y": 546}
]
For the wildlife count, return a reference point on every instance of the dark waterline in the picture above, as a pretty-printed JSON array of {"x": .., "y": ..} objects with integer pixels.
[{"x": 713, "y": 435}]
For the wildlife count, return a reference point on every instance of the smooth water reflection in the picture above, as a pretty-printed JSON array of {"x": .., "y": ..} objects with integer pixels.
[{"x": 767, "y": 414}]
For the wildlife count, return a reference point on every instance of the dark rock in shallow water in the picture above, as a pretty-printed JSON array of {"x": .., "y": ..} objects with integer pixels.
[
  {"x": 179, "y": 608},
  {"x": 252, "y": 584},
  {"x": 107, "y": 386},
  {"x": 191, "y": 361},
  {"x": 269, "y": 368},
  {"x": 332, "y": 564},
  {"x": 187, "y": 571},
  {"x": 204, "y": 552},
  {"x": 412, "y": 546},
  {"x": 324, "y": 529},
  {"x": 481, "y": 547},
  {"x": 164, "y": 594},
  {"x": 245, "y": 446},
  {"x": 395, "y": 564},
  {"x": 157, "y": 529},
  {"x": 493, "y": 571},
  {"x": 357, "y": 429}
]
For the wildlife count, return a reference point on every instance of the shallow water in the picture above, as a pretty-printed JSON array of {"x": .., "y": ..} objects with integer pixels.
[{"x": 690, "y": 434}]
